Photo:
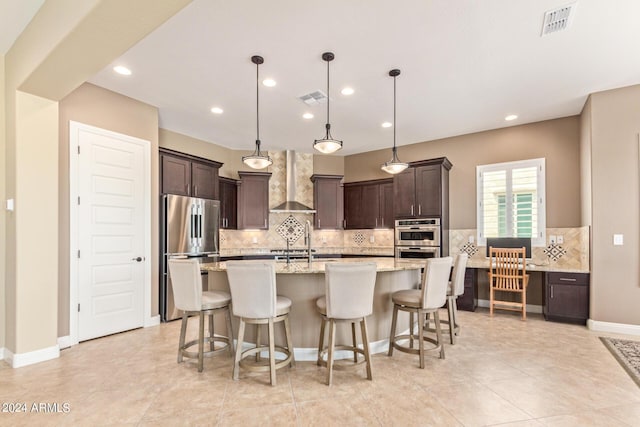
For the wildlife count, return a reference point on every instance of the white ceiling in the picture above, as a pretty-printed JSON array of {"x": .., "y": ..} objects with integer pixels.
[
  {"x": 465, "y": 66},
  {"x": 14, "y": 17}
]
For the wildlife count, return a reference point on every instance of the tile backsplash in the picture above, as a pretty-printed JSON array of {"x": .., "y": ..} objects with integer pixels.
[{"x": 572, "y": 253}]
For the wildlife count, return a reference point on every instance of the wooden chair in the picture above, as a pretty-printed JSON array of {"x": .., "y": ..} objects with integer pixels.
[{"x": 508, "y": 273}]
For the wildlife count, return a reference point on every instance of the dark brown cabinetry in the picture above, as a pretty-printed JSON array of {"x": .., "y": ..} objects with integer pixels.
[
  {"x": 253, "y": 200},
  {"x": 567, "y": 297},
  {"x": 468, "y": 301},
  {"x": 368, "y": 204},
  {"x": 187, "y": 175},
  {"x": 228, "y": 203},
  {"x": 328, "y": 201},
  {"x": 422, "y": 190}
]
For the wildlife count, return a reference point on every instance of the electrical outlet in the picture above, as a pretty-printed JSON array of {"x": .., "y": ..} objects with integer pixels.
[
  {"x": 254, "y": 240},
  {"x": 472, "y": 239},
  {"x": 324, "y": 239},
  {"x": 372, "y": 239},
  {"x": 552, "y": 240},
  {"x": 560, "y": 239}
]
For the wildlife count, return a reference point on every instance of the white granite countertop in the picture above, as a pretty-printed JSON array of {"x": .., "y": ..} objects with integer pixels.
[{"x": 317, "y": 266}]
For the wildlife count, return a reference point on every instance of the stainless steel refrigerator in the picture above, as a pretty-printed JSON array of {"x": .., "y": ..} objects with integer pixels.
[{"x": 190, "y": 228}]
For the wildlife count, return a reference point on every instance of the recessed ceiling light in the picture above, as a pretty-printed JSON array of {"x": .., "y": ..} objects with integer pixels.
[
  {"x": 511, "y": 117},
  {"x": 307, "y": 116},
  {"x": 217, "y": 110},
  {"x": 347, "y": 91},
  {"x": 122, "y": 70},
  {"x": 269, "y": 82},
  {"x": 386, "y": 125}
]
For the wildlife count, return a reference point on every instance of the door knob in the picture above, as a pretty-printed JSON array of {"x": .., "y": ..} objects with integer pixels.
[{"x": 138, "y": 259}]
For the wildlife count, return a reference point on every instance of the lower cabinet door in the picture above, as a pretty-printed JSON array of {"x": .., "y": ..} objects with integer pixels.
[{"x": 567, "y": 302}]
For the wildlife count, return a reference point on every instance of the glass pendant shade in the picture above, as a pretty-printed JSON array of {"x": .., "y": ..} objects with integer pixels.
[
  {"x": 394, "y": 165},
  {"x": 257, "y": 160},
  {"x": 327, "y": 145}
]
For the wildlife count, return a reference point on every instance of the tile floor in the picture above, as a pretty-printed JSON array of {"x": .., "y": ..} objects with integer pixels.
[{"x": 502, "y": 372}]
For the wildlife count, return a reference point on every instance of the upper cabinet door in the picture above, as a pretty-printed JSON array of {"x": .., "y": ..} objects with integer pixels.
[
  {"x": 429, "y": 191},
  {"x": 327, "y": 201},
  {"x": 176, "y": 175},
  {"x": 353, "y": 207},
  {"x": 204, "y": 181},
  {"x": 253, "y": 200},
  {"x": 228, "y": 203},
  {"x": 386, "y": 206},
  {"x": 371, "y": 206},
  {"x": 404, "y": 194}
]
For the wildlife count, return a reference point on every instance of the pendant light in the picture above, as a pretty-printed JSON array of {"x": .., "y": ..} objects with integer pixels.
[
  {"x": 327, "y": 145},
  {"x": 394, "y": 165},
  {"x": 257, "y": 160}
]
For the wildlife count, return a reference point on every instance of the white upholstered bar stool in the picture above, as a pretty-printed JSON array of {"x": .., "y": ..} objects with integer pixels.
[
  {"x": 426, "y": 300},
  {"x": 253, "y": 292},
  {"x": 454, "y": 290},
  {"x": 187, "y": 291},
  {"x": 348, "y": 298}
]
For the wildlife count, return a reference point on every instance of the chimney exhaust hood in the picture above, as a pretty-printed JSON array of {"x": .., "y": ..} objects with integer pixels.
[{"x": 291, "y": 205}]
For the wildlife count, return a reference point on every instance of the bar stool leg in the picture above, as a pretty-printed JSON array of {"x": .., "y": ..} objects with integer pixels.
[
  {"x": 421, "y": 338},
  {"x": 411, "y": 329},
  {"x": 436, "y": 316},
  {"x": 258, "y": 339},
  {"x": 392, "y": 335},
  {"x": 355, "y": 342},
  {"x": 272, "y": 353},
  {"x": 201, "y": 343},
  {"x": 332, "y": 343},
  {"x": 321, "y": 341},
  {"x": 365, "y": 346},
  {"x": 287, "y": 333},
  {"x": 236, "y": 363},
  {"x": 183, "y": 333},
  {"x": 230, "y": 332},
  {"x": 450, "y": 305},
  {"x": 211, "y": 333}
]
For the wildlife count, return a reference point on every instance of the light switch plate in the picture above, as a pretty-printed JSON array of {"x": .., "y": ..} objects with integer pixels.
[
  {"x": 552, "y": 239},
  {"x": 10, "y": 205},
  {"x": 618, "y": 239},
  {"x": 559, "y": 239},
  {"x": 471, "y": 239}
]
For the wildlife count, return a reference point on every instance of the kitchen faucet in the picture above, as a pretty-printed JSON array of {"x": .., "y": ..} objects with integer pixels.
[{"x": 307, "y": 240}]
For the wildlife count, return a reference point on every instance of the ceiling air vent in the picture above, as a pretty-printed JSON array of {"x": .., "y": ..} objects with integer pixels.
[
  {"x": 313, "y": 98},
  {"x": 558, "y": 19}
]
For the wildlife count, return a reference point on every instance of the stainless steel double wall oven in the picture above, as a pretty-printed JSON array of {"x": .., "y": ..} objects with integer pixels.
[{"x": 418, "y": 238}]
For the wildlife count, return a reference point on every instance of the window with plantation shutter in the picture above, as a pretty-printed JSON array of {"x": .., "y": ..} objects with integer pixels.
[{"x": 511, "y": 200}]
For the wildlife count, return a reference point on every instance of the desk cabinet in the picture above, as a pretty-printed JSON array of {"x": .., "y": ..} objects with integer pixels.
[
  {"x": 469, "y": 300},
  {"x": 567, "y": 297}
]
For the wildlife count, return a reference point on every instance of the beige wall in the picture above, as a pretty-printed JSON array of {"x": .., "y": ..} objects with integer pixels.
[
  {"x": 585, "y": 163},
  {"x": 2, "y": 211},
  {"x": 615, "y": 276},
  {"x": 99, "y": 107},
  {"x": 556, "y": 140},
  {"x": 232, "y": 159},
  {"x": 64, "y": 44}
]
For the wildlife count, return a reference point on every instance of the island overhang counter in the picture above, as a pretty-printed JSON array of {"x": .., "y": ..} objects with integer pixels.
[{"x": 304, "y": 283}]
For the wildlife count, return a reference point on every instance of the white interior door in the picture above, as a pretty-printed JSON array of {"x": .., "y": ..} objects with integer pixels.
[{"x": 112, "y": 241}]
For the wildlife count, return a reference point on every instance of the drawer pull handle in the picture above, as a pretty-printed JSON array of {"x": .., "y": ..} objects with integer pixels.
[{"x": 567, "y": 279}]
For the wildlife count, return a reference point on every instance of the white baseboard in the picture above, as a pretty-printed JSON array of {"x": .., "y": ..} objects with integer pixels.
[
  {"x": 64, "y": 342},
  {"x": 616, "y": 328},
  {"x": 531, "y": 308},
  {"x": 24, "y": 359},
  {"x": 152, "y": 321}
]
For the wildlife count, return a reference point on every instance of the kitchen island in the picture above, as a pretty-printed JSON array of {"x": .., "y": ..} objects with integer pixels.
[{"x": 303, "y": 283}]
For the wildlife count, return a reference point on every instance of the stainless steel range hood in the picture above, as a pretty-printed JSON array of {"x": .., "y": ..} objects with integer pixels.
[{"x": 291, "y": 205}]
